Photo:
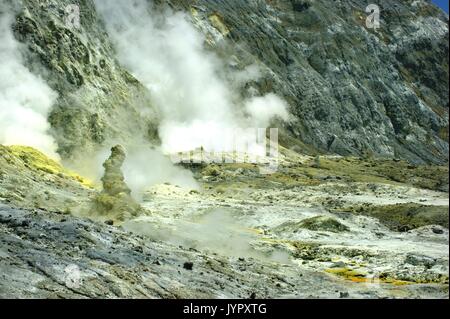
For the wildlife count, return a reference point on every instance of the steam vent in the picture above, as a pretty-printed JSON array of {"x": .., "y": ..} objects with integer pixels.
[
  {"x": 115, "y": 200},
  {"x": 214, "y": 149}
]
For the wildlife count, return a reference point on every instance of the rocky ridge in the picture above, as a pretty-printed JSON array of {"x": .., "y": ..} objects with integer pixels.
[{"x": 351, "y": 90}]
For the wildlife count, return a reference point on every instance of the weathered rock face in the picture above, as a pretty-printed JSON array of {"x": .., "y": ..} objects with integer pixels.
[
  {"x": 98, "y": 99},
  {"x": 351, "y": 90}
]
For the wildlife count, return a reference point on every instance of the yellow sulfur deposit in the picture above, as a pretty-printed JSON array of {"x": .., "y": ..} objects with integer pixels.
[
  {"x": 34, "y": 159},
  {"x": 217, "y": 22},
  {"x": 356, "y": 276}
]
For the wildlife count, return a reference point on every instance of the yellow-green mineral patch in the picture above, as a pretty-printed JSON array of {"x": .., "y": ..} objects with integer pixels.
[
  {"x": 218, "y": 23},
  {"x": 36, "y": 160},
  {"x": 358, "y": 276}
]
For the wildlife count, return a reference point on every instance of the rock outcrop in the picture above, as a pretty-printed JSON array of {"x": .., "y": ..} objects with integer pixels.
[
  {"x": 115, "y": 200},
  {"x": 29, "y": 179}
]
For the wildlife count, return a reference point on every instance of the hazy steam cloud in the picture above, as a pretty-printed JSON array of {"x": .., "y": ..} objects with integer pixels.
[
  {"x": 147, "y": 167},
  {"x": 25, "y": 99},
  {"x": 217, "y": 230},
  {"x": 144, "y": 166},
  {"x": 263, "y": 108},
  {"x": 166, "y": 53}
]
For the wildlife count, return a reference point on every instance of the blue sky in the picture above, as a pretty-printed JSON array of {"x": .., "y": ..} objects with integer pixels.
[{"x": 442, "y": 3}]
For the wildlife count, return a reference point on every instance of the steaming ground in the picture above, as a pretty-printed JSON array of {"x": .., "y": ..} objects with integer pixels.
[
  {"x": 271, "y": 225},
  {"x": 346, "y": 228}
]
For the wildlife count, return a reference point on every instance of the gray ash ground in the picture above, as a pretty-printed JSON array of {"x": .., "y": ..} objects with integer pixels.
[
  {"x": 239, "y": 235},
  {"x": 38, "y": 248}
]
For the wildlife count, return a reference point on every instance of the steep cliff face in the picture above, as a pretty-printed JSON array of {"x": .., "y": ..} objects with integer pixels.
[
  {"x": 352, "y": 90},
  {"x": 98, "y": 100}
]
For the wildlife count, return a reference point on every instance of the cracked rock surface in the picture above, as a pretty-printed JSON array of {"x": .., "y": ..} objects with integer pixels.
[{"x": 56, "y": 256}]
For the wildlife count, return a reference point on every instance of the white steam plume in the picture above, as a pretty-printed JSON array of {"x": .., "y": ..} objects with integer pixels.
[
  {"x": 146, "y": 167},
  {"x": 25, "y": 99},
  {"x": 218, "y": 230},
  {"x": 263, "y": 108},
  {"x": 166, "y": 53}
]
